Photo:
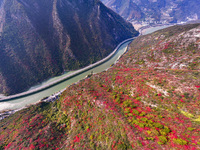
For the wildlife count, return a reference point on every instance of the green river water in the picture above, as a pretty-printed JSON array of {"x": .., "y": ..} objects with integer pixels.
[
  {"x": 27, "y": 100},
  {"x": 22, "y": 102}
]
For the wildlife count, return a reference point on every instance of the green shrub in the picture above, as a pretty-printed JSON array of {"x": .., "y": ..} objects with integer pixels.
[
  {"x": 127, "y": 111},
  {"x": 118, "y": 99},
  {"x": 138, "y": 98},
  {"x": 162, "y": 140},
  {"x": 122, "y": 146},
  {"x": 127, "y": 103},
  {"x": 150, "y": 121},
  {"x": 165, "y": 131},
  {"x": 139, "y": 143},
  {"x": 142, "y": 114},
  {"x": 135, "y": 112},
  {"x": 141, "y": 125},
  {"x": 130, "y": 115},
  {"x": 158, "y": 125},
  {"x": 144, "y": 119},
  {"x": 133, "y": 106},
  {"x": 149, "y": 138},
  {"x": 186, "y": 95},
  {"x": 135, "y": 122},
  {"x": 191, "y": 129},
  {"x": 180, "y": 141}
]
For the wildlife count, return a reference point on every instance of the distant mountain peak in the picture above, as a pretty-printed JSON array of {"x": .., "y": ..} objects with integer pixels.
[{"x": 156, "y": 11}]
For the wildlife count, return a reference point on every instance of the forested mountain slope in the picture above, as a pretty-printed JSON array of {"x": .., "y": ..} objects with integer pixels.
[{"x": 41, "y": 39}]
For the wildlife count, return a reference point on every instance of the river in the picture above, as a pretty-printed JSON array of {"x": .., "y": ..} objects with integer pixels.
[{"x": 34, "y": 98}]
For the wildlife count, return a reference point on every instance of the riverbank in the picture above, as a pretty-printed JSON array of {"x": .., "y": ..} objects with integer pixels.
[
  {"x": 144, "y": 29},
  {"x": 147, "y": 29},
  {"x": 52, "y": 97},
  {"x": 39, "y": 89},
  {"x": 119, "y": 50}
]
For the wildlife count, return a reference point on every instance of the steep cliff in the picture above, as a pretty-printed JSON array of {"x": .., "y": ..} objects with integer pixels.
[{"x": 41, "y": 39}]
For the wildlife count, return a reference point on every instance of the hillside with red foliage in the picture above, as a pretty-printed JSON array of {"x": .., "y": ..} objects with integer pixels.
[{"x": 150, "y": 99}]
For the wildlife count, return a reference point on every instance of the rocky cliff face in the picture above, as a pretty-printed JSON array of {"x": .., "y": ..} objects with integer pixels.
[
  {"x": 156, "y": 11},
  {"x": 40, "y": 39}
]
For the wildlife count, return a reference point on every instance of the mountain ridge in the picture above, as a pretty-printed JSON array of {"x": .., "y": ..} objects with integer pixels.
[
  {"x": 155, "y": 11},
  {"x": 39, "y": 42}
]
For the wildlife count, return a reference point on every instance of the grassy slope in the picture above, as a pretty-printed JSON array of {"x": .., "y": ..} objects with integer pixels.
[{"x": 140, "y": 103}]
